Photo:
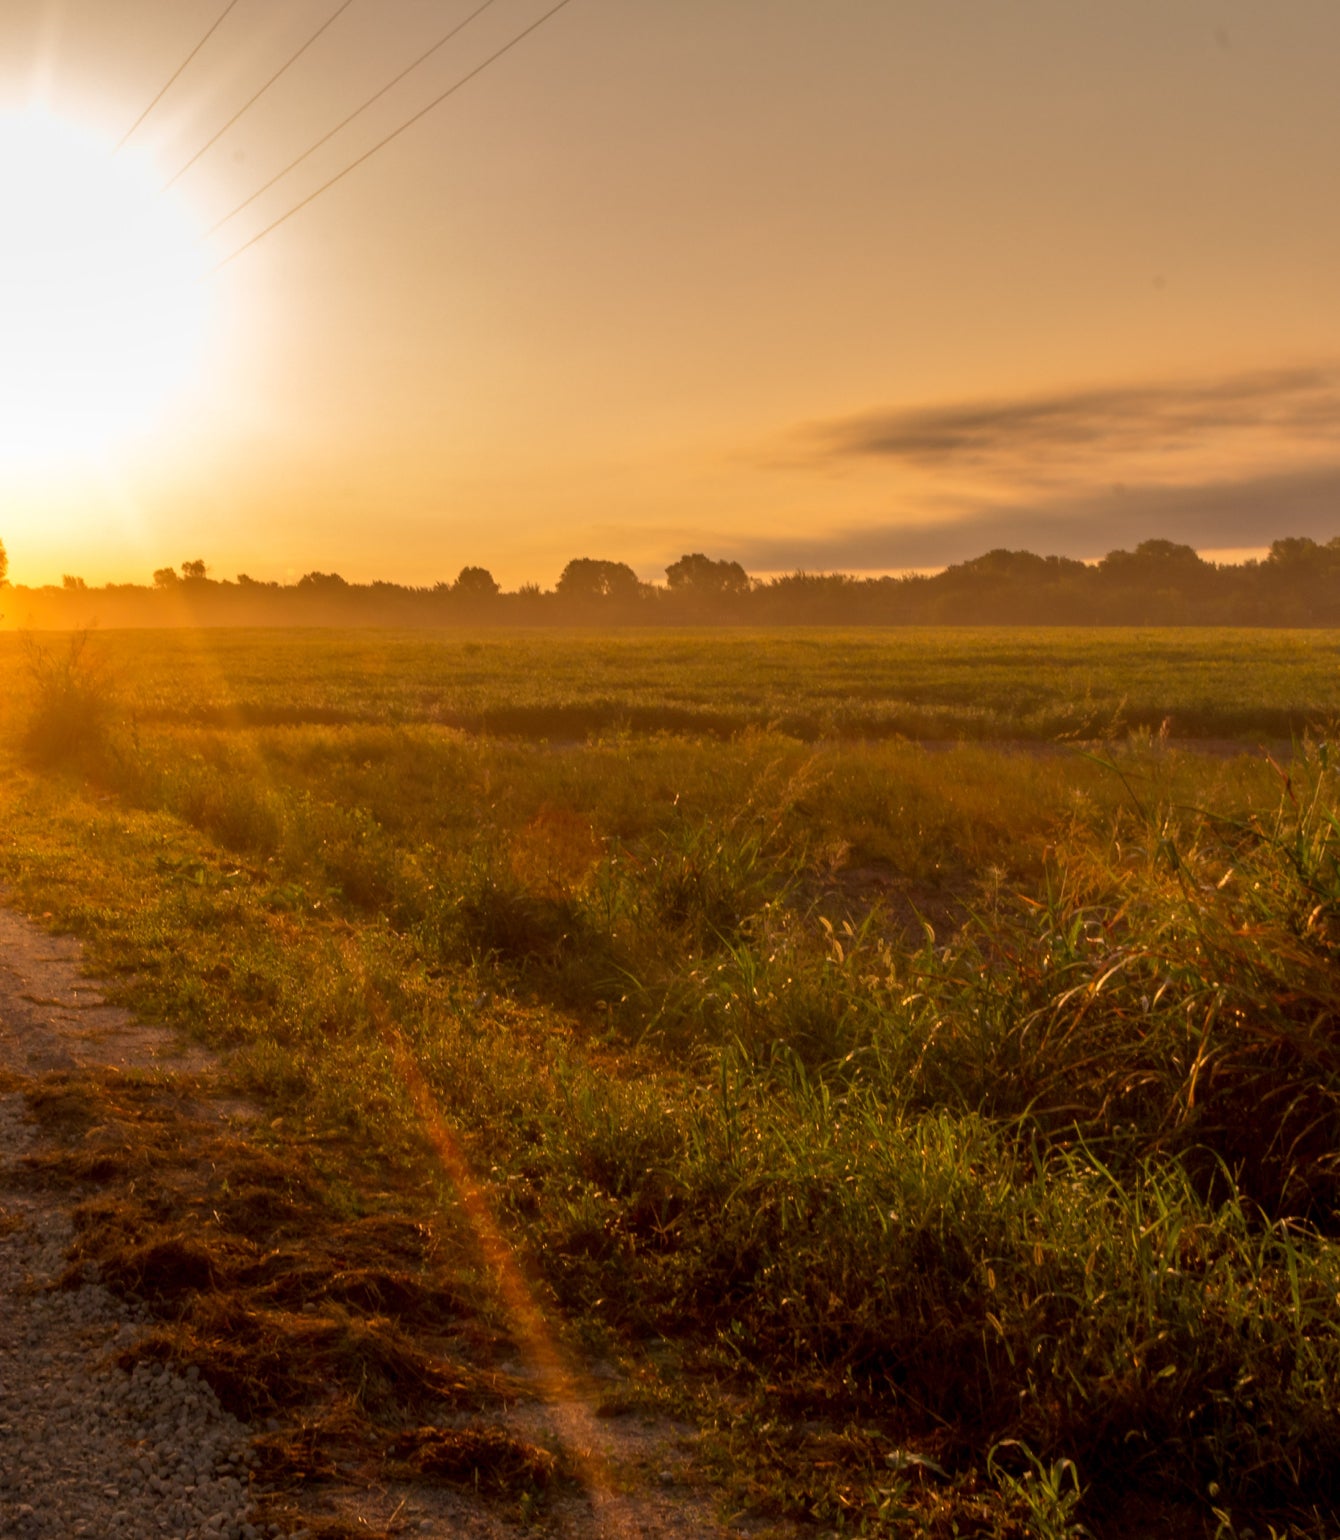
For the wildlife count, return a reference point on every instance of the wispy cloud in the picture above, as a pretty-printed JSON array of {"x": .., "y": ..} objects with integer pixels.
[
  {"x": 1243, "y": 513},
  {"x": 1035, "y": 438}
]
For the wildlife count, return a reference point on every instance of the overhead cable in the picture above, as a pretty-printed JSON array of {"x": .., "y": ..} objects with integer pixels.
[
  {"x": 175, "y": 75},
  {"x": 394, "y": 134},
  {"x": 249, "y": 104},
  {"x": 356, "y": 113}
]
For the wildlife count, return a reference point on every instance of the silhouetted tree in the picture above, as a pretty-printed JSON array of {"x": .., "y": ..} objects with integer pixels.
[
  {"x": 1009, "y": 587},
  {"x": 1295, "y": 553},
  {"x": 1001, "y": 565},
  {"x": 808, "y": 598},
  {"x": 1160, "y": 582},
  {"x": 588, "y": 581},
  {"x": 476, "y": 583},
  {"x": 4, "y": 563},
  {"x": 703, "y": 578},
  {"x": 1300, "y": 581},
  {"x": 1155, "y": 561}
]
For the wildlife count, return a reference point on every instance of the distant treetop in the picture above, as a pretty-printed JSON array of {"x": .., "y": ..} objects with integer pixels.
[
  {"x": 1159, "y": 583},
  {"x": 585, "y": 580},
  {"x": 704, "y": 578},
  {"x": 476, "y": 583}
]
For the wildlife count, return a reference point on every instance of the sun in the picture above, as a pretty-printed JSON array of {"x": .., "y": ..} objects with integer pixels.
[{"x": 104, "y": 307}]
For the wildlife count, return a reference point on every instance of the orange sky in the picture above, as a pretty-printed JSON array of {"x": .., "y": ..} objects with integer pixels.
[{"x": 858, "y": 284}]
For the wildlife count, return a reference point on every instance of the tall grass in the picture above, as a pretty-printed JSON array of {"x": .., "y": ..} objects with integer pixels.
[
  {"x": 1056, "y": 1167},
  {"x": 71, "y": 704},
  {"x": 1068, "y": 1178}
]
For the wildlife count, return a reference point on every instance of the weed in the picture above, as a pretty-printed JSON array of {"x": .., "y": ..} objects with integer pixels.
[{"x": 1049, "y": 1494}]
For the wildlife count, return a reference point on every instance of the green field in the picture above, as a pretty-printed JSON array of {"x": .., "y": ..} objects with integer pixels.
[
  {"x": 953, "y": 1132},
  {"x": 939, "y": 683}
]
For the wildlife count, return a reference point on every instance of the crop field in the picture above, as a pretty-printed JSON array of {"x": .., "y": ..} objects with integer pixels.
[
  {"x": 949, "y": 1129},
  {"x": 933, "y": 684}
]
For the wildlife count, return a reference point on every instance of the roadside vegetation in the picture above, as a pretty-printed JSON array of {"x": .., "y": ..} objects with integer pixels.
[{"x": 953, "y": 1133}]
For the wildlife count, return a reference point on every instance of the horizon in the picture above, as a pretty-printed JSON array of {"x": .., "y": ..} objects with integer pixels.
[{"x": 1232, "y": 557}]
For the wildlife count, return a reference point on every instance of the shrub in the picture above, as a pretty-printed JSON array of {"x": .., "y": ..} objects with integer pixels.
[{"x": 72, "y": 704}]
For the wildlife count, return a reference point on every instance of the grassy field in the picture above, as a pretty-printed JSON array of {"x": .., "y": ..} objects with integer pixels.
[
  {"x": 953, "y": 1133},
  {"x": 940, "y": 683}
]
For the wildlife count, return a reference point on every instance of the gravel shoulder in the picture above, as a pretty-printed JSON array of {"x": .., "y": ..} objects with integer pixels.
[
  {"x": 98, "y": 1439},
  {"x": 85, "y": 1447}
]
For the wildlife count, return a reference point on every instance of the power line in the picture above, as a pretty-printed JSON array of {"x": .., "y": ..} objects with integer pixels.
[
  {"x": 356, "y": 113},
  {"x": 175, "y": 75},
  {"x": 248, "y": 105},
  {"x": 395, "y": 133}
]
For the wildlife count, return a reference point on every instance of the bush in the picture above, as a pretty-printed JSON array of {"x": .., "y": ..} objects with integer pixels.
[{"x": 72, "y": 704}]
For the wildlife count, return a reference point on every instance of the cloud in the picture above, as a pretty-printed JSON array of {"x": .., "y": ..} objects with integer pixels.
[
  {"x": 1094, "y": 429},
  {"x": 1246, "y": 512}
]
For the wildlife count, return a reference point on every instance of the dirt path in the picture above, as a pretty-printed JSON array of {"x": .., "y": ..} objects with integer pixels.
[
  {"x": 88, "y": 1447},
  {"x": 52, "y": 1017}
]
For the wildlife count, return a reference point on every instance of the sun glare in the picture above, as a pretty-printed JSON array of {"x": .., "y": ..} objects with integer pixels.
[{"x": 103, "y": 307}]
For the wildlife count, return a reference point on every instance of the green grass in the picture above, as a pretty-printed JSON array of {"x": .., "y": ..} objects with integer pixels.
[
  {"x": 962, "y": 1111},
  {"x": 939, "y": 683}
]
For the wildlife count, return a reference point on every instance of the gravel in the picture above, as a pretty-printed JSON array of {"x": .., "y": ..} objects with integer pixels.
[{"x": 85, "y": 1447}]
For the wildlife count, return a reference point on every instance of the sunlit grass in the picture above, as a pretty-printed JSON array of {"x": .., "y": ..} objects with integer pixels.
[
  {"x": 942, "y": 683},
  {"x": 968, "y": 1102}
]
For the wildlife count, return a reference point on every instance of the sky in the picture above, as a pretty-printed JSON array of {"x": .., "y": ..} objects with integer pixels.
[{"x": 859, "y": 285}]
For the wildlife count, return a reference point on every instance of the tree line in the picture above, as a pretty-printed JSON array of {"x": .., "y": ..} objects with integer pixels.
[{"x": 1158, "y": 583}]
